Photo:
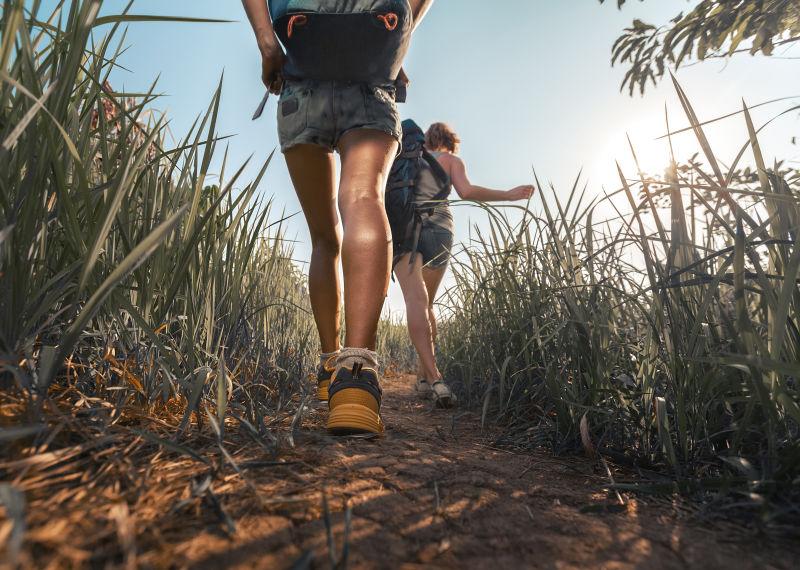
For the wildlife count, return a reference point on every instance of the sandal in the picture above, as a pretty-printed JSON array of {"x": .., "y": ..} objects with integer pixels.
[
  {"x": 423, "y": 388},
  {"x": 442, "y": 395}
]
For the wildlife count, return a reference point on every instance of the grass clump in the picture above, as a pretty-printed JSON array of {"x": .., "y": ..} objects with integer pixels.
[
  {"x": 148, "y": 310},
  {"x": 125, "y": 271},
  {"x": 672, "y": 331}
]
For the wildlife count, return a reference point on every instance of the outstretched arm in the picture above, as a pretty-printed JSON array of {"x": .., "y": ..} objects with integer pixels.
[
  {"x": 469, "y": 191},
  {"x": 272, "y": 57}
]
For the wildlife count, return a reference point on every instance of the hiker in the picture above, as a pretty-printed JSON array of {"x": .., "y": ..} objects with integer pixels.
[
  {"x": 421, "y": 257},
  {"x": 337, "y": 81}
]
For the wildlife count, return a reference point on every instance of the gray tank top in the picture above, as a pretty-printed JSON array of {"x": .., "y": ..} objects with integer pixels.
[{"x": 427, "y": 188}]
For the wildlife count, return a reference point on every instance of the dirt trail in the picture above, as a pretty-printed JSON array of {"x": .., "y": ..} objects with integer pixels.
[{"x": 432, "y": 493}]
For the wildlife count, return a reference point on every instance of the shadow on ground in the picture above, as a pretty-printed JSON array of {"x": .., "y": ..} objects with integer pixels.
[{"x": 433, "y": 493}]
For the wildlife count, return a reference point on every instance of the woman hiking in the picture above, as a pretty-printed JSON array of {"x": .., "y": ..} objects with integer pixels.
[
  {"x": 420, "y": 272},
  {"x": 337, "y": 81}
]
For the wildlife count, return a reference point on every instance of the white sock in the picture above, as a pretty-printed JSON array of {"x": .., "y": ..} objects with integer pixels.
[
  {"x": 325, "y": 356},
  {"x": 350, "y": 356}
]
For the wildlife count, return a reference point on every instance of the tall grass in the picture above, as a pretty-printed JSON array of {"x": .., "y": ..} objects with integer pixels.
[
  {"x": 394, "y": 345},
  {"x": 125, "y": 271},
  {"x": 129, "y": 271},
  {"x": 672, "y": 332}
]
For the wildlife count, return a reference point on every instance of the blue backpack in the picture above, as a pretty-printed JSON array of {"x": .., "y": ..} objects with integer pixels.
[
  {"x": 346, "y": 40},
  {"x": 402, "y": 208}
]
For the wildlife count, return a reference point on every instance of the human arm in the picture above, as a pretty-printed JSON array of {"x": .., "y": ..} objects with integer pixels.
[
  {"x": 469, "y": 191},
  {"x": 272, "y": 57},
  {"x": 418, "y": 9}
]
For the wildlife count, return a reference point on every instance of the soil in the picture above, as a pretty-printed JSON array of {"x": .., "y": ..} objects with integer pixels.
[{"x": 431, "y": 493}]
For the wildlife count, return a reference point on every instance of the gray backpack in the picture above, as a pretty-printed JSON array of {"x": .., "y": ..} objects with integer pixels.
[{"x": 347, "y": 40}]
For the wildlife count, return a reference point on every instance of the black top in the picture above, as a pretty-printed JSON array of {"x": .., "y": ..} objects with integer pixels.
[{"x": 344, "y": 40}]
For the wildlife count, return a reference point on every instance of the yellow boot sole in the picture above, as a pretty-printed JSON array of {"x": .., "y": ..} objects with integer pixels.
[
  {"x": 354, "y": 411},
  {"x": 322, "y": 390}
]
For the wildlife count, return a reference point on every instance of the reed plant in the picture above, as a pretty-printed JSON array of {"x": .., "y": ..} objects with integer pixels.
[
  {"x": 130, "y": 272},
  {"x": 666, "y": 336}
]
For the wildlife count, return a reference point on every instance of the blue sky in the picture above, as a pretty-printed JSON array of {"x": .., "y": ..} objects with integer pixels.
[{"x": 526, "y": 83}]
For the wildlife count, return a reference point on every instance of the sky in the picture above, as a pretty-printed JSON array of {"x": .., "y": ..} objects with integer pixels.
[{"x": 527, "y": 84}]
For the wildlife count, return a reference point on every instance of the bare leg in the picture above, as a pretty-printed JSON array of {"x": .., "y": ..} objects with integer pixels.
[
  {"x": 313, "y": 171},
  {"x": 419, "y": 325},
  {"x": 367, "y": 156},
  {"x": 433, "y": 278}
]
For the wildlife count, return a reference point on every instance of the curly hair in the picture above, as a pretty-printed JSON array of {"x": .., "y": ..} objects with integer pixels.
[{"x": 442, "y": 135}]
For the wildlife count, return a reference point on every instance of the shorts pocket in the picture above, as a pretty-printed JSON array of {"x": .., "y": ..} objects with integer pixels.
[
  {"x": 380, "y": 105},
  {"x": 293, "y": 111}
]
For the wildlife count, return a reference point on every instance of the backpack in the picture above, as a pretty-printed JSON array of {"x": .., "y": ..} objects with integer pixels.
[
  {"x": 346, "y": 40},
  {"x": 405, "y": 215}
]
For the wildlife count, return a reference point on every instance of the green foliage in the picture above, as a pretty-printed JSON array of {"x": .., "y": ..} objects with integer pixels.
[
  {"x": 674, "y": 330},
  {"x": 124, "y": 274},
  {"x": 713, "y": 28}
]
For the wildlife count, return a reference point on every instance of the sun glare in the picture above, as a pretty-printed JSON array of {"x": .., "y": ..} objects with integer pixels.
[{"x": 652, "y": 154}]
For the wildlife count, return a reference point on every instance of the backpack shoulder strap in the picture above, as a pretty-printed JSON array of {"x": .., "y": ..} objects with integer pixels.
[{"x": 439, "y": 174}]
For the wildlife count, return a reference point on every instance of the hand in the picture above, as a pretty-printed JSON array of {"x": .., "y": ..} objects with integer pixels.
[
  {"x": 401, "y": 87},
  {"x": 272, "y": 60},
  {"x": 521, "y": 193}
]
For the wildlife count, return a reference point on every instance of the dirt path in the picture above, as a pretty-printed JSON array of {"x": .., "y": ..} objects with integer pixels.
[{"x": 433, "y": 494}]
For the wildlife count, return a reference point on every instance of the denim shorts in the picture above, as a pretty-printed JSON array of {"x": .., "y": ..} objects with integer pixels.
[
  {"x": 435, "y": 244},
  {"x": 320, "y": 112}
]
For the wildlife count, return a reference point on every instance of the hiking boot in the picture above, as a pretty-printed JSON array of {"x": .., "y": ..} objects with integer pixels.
[
  {"x": 355, "y": 402},
  {"x": 323, "y": 378},
  {"x": 422, "y": 387},
  {"x": 442, "y": 395}
]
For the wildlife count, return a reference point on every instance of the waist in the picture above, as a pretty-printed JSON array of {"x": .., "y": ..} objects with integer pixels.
[
  {"x": 437, "y": 213},
  {"x": 438, "y": 224},
  {"x": 291, "y": 77},
  {"x": 427, "y": 202}
]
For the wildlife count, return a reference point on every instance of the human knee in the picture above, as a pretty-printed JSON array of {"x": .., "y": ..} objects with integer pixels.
[
  {"x": 362, "y": 196},
  {"x": 417, "y": 301},
  {"x": 328, "y": 242}
]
